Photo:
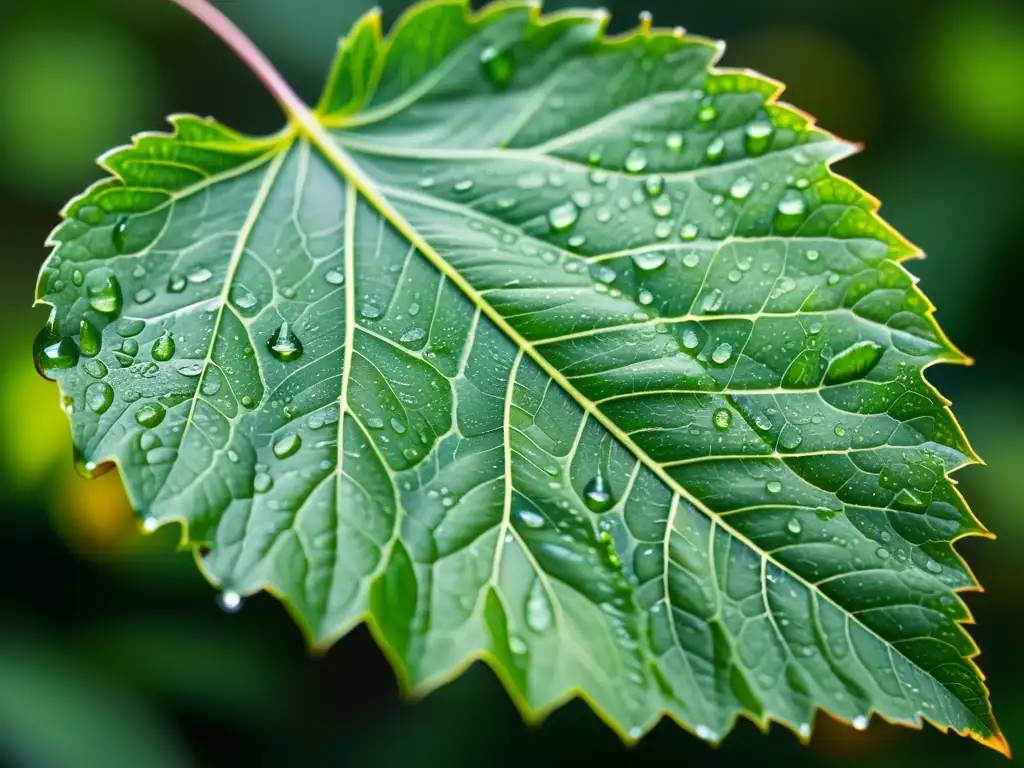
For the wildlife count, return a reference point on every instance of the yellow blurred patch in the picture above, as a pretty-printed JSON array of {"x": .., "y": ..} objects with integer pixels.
[{"x": 94, "y": 515}]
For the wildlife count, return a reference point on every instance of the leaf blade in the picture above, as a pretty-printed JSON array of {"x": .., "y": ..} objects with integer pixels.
[{"x": 588, "y": 376}]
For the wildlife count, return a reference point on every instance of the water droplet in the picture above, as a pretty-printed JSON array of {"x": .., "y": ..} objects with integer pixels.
[
  {"x": 689, "y": 232},
  {"x": 741, "y": 188},
  {"x": 287, "y": 446},
  {"x": 498, "y": 66},
  {"x": 95, "y": 368},
  {"x": 792, "y": 210},
  {"x": 722, "y": 353},
  {"x": 636, "y": 160},
  {"x": 703, "y": 732},
  {"x": 150, "y": 415},
  {"x": 104, "y": 294},
  {"x": 398, "y": 426},
  {"x": 412, "y": 335},
  {"x": 369, "y": 311},
  {"x": 143, "y": 295},
  {"x": 722, "y": 419},
  {"x": 854, "y": 362},
  {"x": 645, "y": 297},
  {"x": 176, "y": 283},
  {"x": 860, "y": 722},
  {"x": 283, "y": 344},
  {"x": 883, "y": 553},
  {"x": 758, "y": 137},
  {"x": 674, "y": 141},
  {"x": 51, "y": 351},
  {"x": 538, "y": 609},
  {"x": 690, "y": 339},
  {"x": 773, "y": 486},
  {"x": 517, "y": 645},
  {"x": 464, "y": 185},
  {"x": 655, "y": 185},
  {"x": 932, "y": 566},
  {"x": 117, "y": 234},
  {"x": 200, "y": 275},
  {"x": 596, "y": 494},
  {"x": 794, "y": 526},
  {"x": 163, "y": 348},
  {"x": 715, "y": 150},
  {"x": 563, "y": 217},
  {"x": 98, "y": 396},
  {"x": 707, "y": 113},
  {"x": 89, "y": 339},
  {"x": 529, "y": 518},
  {"x": 262, "y": 482},
  {"x": 229, "y": 602},
  {"x": 130, "y": 347},
  {"x": 649, "y": 261}
]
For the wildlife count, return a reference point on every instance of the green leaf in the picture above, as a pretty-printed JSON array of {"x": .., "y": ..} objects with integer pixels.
[{"x": 564, "y": 352}]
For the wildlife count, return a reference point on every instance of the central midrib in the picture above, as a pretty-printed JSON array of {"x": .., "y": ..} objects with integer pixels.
[{"x": 305, "y": 123}]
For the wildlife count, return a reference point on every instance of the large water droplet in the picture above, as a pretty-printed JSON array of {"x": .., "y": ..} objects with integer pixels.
[
  {"x": 655, "y": 185},
  {"x": 538, "y": 609},
  {"x": 53, "y": 352},
  {"x": 715, "y": 150},
  {"x": 689, "y": 232},
  {"x": 773, "y": 486},
  {"x": 854, "y": 362},
  {"x": 636, "y": 160},
  {"x": 722, "y": 353},
  {"x": 334, "y": 277},
  {"x": 117, "y": 234},
  {"x": 98, "y": 397},
  {"x": 794, "y": 526},
  {"x": 229, "y": 601},
  {"x": 176, "y": 282},
  {"x": 498, "y": 66},
  {"x": 722, "y": 419},
  {"x": 287, "y": 446},
  {"x": 860, "y": 722},
  {"x": 413, "y": 335},
  {"x": 758, "y": 137},
  {"x": 163, "y": 348},
  {"x": 597, "y": 495},
  {"x": 284, "y": 344},
  {"x": 150, "y": 415},
  {"x": 741, "y": 188},
  {"x": 792, "y": 210},
  {"x": 89, "y": 339},
  {"x": 104, "y": 294},
  {"x": 674, "y": 141},
  {"x": 529, "y": 518},
  {"x": 262, "y": 482},
  {"x": 563, "y": 217}
]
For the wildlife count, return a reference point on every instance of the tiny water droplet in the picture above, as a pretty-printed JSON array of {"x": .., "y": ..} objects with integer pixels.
[
  {"x": 539, "y": 614},
  {"x": 722, "y": 419},
  {"x": 794, "y": 526},
  {"x": 334, "y": 277},
  {"x": 200, "y": 275},
  {"x": 773, "y": 486},
  {"x": 689, "y": 232},
  {"x": 655, "y": 185},
  {"x": 674, "y": 141},
  {"x": 741, "y": 188},
  {"x": 860, "y": 722},
  {"x": 143, "y": 295}
]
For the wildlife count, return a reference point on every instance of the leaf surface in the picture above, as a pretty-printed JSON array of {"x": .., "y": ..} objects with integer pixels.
[{"x": 565, "y": 352}]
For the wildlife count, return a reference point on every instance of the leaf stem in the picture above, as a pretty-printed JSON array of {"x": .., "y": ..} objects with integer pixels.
[{"x": 246, "y": 49}]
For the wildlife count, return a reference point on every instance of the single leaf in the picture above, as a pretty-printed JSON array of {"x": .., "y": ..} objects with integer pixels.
[{"x": 561, "y": 351}]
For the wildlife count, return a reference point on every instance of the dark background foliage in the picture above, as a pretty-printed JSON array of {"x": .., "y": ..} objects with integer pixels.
[{"x": 112, "y": 649}]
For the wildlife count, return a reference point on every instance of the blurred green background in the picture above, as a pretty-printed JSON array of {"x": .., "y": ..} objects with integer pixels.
[{"x": 112, "y": 649}]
